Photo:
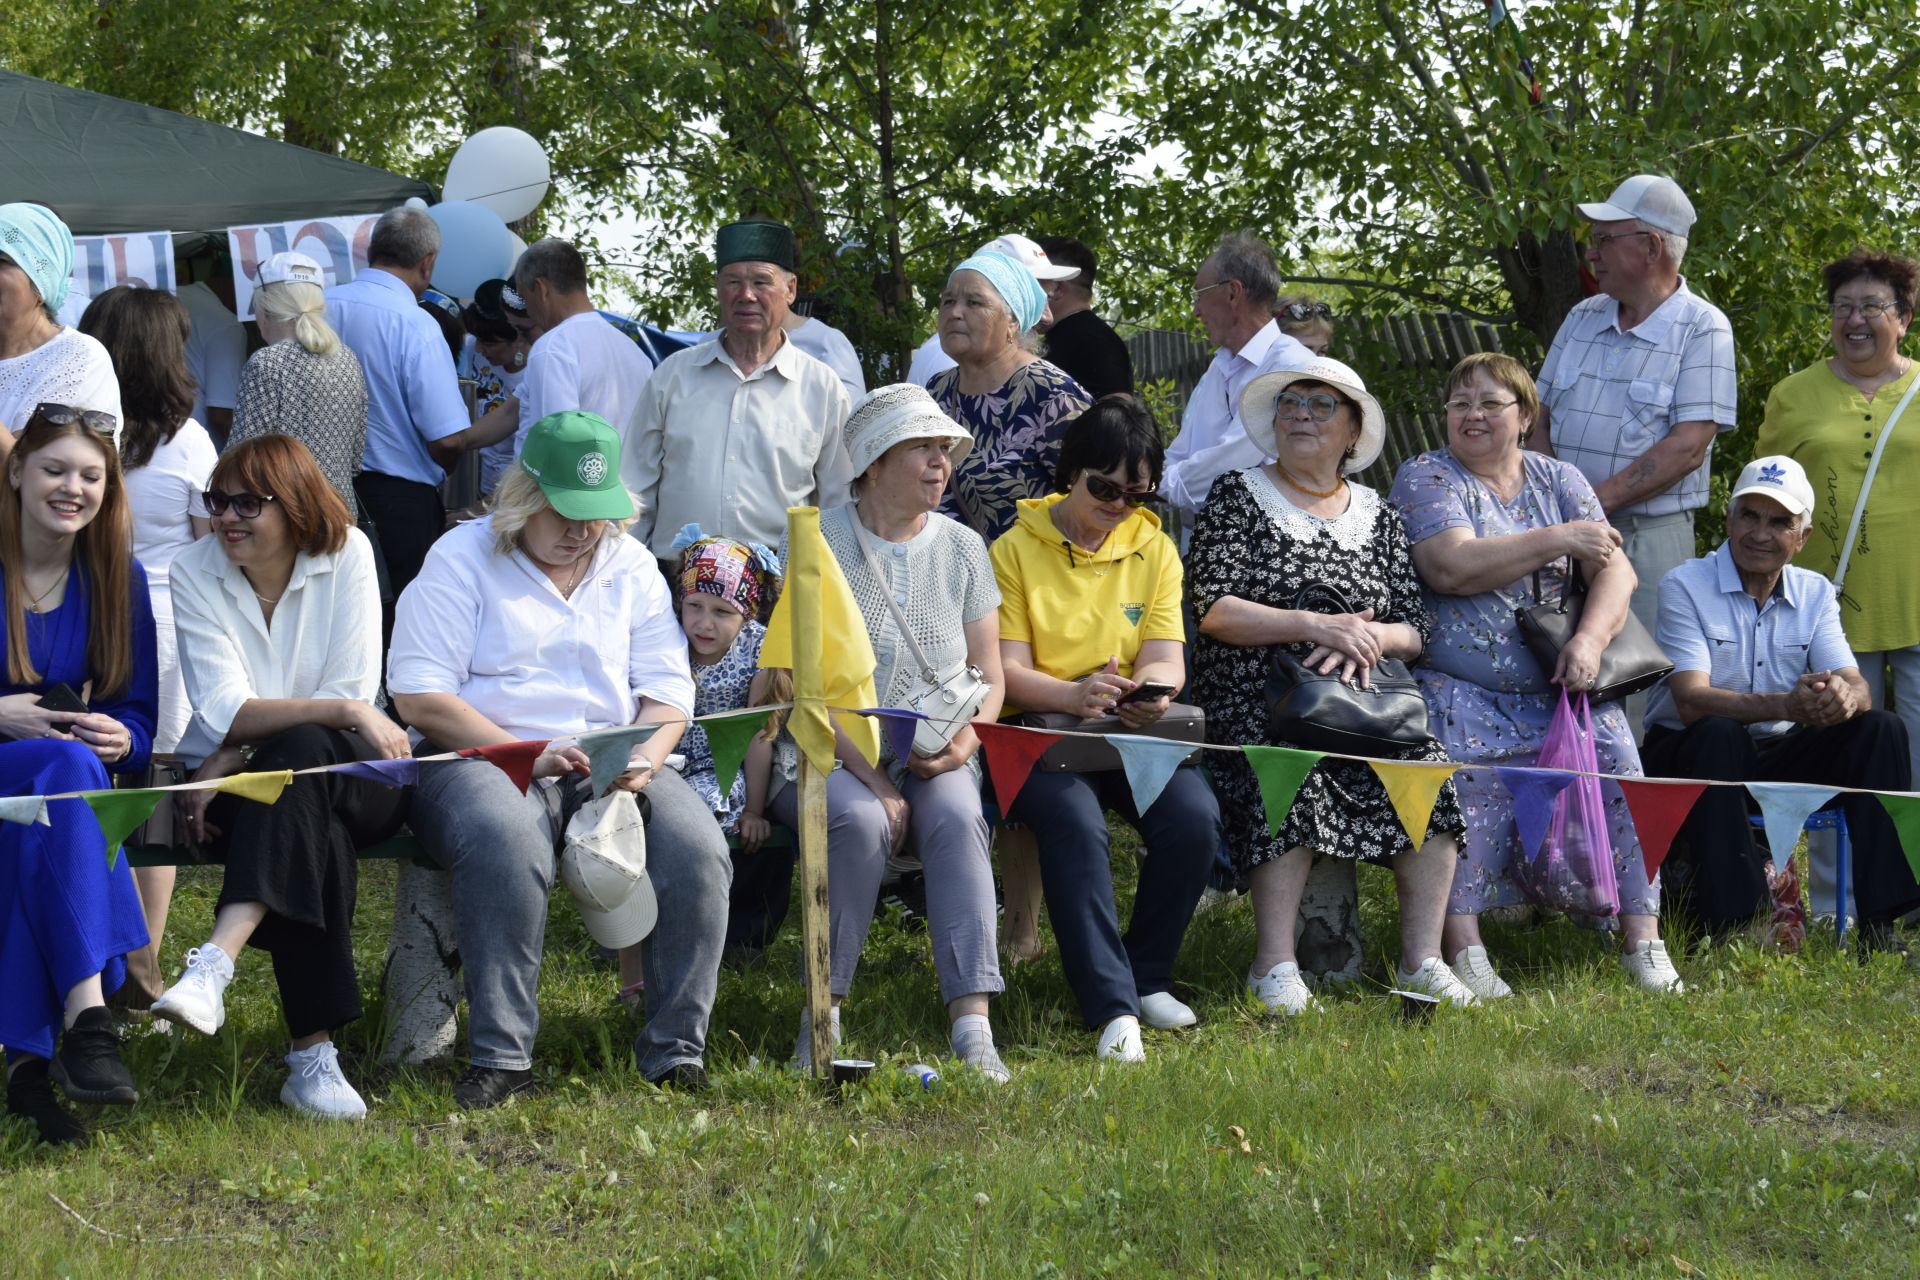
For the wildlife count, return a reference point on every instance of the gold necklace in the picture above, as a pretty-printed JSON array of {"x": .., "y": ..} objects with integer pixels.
[
  {"x": 33, "y": 601},
  {"x": 1338, "y": 484}
]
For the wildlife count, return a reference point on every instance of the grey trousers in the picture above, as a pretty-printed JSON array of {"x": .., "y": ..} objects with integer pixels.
[
  {"x": 948, "y": 830},
  {"x": 501, "y": 847},
  {"x": 1653, "y": 546}
]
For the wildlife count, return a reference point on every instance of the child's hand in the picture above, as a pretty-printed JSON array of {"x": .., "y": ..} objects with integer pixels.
[{"x": 753, "y": 829}]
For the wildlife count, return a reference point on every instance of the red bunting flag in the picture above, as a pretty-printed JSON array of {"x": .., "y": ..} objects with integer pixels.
[
  {"x": 515, "y": 759},
  {"x": 1011, "y": 754},
  {"x": 1658, "y": 809}
]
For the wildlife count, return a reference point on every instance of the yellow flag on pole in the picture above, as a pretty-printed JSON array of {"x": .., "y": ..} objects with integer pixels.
[
  {"x": 1413, "y": 788},
  {"x": 818, "y": 633}
]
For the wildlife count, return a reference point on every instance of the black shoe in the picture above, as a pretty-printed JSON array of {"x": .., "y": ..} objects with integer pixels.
[
  {"x": 30, "y": 1094},
  {"x": 87, "y": 1065},
  {"x": 483, "y": 1087},
  {"x": 687, "y": 1077},
  {"x": 1883, "y": 935}
]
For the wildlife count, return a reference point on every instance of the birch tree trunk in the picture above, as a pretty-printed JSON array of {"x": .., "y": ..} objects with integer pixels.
[
  {"x": 422, "y": 978},
  {"x": 1327, "y": 932}
]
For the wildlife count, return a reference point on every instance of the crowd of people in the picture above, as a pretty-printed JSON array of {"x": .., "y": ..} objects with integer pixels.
[{"x": 283, "y": 588}]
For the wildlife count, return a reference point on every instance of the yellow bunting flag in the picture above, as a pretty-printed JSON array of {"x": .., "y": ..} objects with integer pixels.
[
  {"x": 1413, "y": 788},
  {"x": 832, "y": 660},
  {"x": 264, "y": 787}
]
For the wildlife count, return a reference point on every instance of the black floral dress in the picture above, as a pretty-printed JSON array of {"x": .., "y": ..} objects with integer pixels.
[{"x": 1252, "y": 543}]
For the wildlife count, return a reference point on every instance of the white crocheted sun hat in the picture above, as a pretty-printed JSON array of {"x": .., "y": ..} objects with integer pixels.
[
  {"x": 1257, "y": 403},
  {"x": 887, "y": 415}
]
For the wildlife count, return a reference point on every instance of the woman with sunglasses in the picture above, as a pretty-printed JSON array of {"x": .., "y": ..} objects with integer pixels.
[
  {"x": 1307, "y": 322},
  {"x": 278, "y": 616},
  {"x": 1090, "y": 625},
  {"x": 40, "y": 358},
  {"x": 1270, "y": 539},
  {"x": 75, "y": 623}
]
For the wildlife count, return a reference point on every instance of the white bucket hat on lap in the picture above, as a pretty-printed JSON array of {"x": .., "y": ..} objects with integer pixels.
[
  {"x": 899, "y": 411},
  {"x": 1258, "y": 400}
]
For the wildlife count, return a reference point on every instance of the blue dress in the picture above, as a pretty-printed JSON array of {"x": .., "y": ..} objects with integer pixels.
[
  {"x": 721, "y": 687},
  {"x": 64, "y": 915}
]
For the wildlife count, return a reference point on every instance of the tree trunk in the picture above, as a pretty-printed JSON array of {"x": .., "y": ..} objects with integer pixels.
[
  {"x": 1327, "y": 932},
  {"x": 422, "y": 978}
]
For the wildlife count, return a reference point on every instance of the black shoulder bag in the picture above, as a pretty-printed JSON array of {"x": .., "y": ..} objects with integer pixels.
[
  {"x": 1632, "y": 661},
  {"x": 1322, "y": 712}
]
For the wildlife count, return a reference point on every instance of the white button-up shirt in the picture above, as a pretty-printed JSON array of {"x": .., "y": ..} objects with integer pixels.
[
  {"x": 733, "y": 451},
  {"x": 1613, "y": 395},
  {"x": 494, "y": 631},
  {"x": 582, "y": 363},
  {"x": 1212, "y": 439},
  {"x": 324, "y": 641}
]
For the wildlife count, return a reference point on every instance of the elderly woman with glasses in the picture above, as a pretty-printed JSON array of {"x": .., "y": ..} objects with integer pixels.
[
  {"x": 1272, "y": 542},
  {"x": 41, "y": 359},
  {"x": 1491, "y": 522},
  {"x": 75, "y": 624}
]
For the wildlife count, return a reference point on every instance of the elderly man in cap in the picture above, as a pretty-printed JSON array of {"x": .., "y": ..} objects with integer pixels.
[
  {"x": 1764, "y": 689},
  {"x": 1639, "y": 380},
  {"x": 929, "y": 359},
  {"x": 1233, "y": 296},
  {"x": 730, "y": 433}
]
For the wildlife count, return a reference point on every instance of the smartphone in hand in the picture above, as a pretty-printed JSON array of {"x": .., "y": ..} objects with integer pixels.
[
  {"x": 1147, "y": 691},
  {"x": 63, "y": 699}
]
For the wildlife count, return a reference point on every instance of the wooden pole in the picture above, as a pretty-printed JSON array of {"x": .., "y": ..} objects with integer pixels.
[{"x": 809, "y": 690}]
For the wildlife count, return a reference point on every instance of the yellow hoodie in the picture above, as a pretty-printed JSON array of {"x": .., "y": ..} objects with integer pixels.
[{"x": 1077, "y": 608}]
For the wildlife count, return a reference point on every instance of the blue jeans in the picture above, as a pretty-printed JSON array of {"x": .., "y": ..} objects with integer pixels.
[{"x": 501, "y": 847}]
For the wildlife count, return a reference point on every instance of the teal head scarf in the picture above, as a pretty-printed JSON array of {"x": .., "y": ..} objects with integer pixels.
[
  {"x": 40, "y": 245},
  {"x": 1013, "y": 282}
]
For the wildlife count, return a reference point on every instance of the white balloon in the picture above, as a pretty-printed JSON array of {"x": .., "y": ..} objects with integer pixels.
[
  {"x": 415, "y": 202},
  {"x": 503, "y": 168}
]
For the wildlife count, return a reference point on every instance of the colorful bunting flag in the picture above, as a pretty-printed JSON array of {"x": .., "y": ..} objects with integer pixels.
[
  {"x": 729, "y": 737},
  {"x": 1149, "y": 763},
  {"x": 262, "y": 787},
  {"x": 1011, "y": 754},
  {"x": 1658, "y": 809},
  {"x": 609, "y": 750},
  {"x": 24, "y": 809},
  {"x": 118, "y": 813},
  {"x": 899, "y": 726},
  {"x": 515, "y": 759},
  {"x": 1785, "y": 806},
  {"x": 1413, "y": 788},
  {"x": 403, "y": 772},
  {"x": 1279, "y": 771},
  {"x": 1905, "y": 812},
  {"x": 1534, "y": 792}
]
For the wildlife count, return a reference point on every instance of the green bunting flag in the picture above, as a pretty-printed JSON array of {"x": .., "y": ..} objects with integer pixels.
[
  {"x": 1279, "y": 771},
  {"x": 118, "y": 813},
  {"x": 1905, "y": 812},
  {"x": 729, "y": 737}
]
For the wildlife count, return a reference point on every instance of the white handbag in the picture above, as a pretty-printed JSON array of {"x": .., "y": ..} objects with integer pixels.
[{"x": 948, "y": 700}]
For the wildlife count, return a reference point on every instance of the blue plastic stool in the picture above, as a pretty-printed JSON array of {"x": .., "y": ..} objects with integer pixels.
[{"x": 1835, "y": 821}]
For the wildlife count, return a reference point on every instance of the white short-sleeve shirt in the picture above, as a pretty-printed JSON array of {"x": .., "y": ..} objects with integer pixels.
[{"x": 165, "y": 495}]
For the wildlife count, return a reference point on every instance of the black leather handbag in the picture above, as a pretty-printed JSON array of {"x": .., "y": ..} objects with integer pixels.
[
  {"x": 1632, "y": 661},
  {"x": 1322, "y": 712}
]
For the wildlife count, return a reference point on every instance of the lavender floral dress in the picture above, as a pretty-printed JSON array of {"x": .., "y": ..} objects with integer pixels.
[
  {"x": 721, "y": 686},
  {"x": 1016, "y": 433},
  {"x": 1487, "y": 698}
]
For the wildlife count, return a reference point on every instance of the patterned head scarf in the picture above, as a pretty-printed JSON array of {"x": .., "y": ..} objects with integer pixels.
[
  {"x": 733, "y": 571},
  {"x": 40, "y": 245}
]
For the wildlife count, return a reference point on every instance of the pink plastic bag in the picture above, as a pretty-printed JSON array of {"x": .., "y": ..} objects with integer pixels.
[{"x": 1572, "y": 871}]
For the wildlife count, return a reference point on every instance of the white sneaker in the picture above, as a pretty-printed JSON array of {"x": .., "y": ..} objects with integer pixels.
[
  {"x": 1120, "y": 1041},
  {"x": 1434, "y": 978},
  {"x": 1164, "y": 1013},
  {"x": 1647, "y": 963},
  {"x": 1475, "y": 971},
  {"x": 198, "y": 1000},
  {"x": 1283, "y": 990},
  {"x": 317, "y": 1087},
  {"x": 803, "y": 1047}
]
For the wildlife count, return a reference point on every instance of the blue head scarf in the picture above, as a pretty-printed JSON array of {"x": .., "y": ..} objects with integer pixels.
[
  {"x": 1013, "y": 282},
  {"x": 40, "y": 245}
]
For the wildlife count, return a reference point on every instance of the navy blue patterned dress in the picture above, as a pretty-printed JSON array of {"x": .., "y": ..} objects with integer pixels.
[
  {"x": 723, "y": 686},
  {"x": 1016, "y": 433}
]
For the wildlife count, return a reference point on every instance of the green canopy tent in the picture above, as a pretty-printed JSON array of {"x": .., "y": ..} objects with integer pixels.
[{"x": 107, "y": 165}]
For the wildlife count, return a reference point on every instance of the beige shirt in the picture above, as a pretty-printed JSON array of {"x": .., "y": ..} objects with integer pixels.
[{"x": 732, "y": 452}]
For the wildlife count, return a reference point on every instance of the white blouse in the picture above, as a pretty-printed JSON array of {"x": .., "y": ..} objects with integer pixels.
[{"x": 324, "y": 641}]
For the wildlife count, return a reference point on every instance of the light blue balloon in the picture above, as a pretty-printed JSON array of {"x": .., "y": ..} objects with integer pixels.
[{"x": 474, "y": 247}]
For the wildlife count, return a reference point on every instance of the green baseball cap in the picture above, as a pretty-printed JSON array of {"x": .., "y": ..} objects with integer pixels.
[{"x": 576, "y": 458}]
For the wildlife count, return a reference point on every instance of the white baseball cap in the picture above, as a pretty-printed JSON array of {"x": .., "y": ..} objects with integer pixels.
[
  {"x": 1029, "y": 255},
  {"x": 292, "y": 268},
  {"x": 1659, "y": 202},
  {"x": 604, "y": 866},
  {"x": 1780, "y": 478}
]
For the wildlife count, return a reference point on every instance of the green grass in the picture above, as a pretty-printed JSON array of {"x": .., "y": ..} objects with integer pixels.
[{"x": 1763, "y": 1125}]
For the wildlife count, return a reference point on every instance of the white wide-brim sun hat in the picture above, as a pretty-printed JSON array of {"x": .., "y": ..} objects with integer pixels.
[{"x": 1258, "y": 400}]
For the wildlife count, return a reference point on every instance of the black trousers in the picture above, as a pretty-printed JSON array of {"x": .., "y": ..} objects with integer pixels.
[
  {"x": 408, "y": 517},
  {"x": 296, "y": 858},
  {"x": 760, "y": 898},
  {"x": 1728, "y": 886}
]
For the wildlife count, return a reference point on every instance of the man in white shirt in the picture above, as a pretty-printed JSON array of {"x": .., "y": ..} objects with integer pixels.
[
  {"x": 830, "y": 347},
  {"x": 730, "y": 433},
  {"x": 1233, "y": 296},
  {"x": 216, "y": 350},
  {"x": 580, "y": 362}
]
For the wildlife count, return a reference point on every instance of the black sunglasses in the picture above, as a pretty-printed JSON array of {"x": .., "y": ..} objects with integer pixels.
[
  {"x": 1297, "y": 311},
  {"x": 65, "y": 415},
  {"x": 245, "y": 505},
  {"x": 1105, "y": 490}
]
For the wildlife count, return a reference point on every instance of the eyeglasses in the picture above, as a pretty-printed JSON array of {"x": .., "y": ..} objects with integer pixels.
[
  {"x": 1865, "y": 310},
  {"x": 1606, "y": 238},
  {"x": 1298, "y": 311},
  {"x": 1208, "y": 287},
  {"x": 1461, "y": 408},
  {"x": 1321, "y": 405},
  {"x": 246, "y": 506},
  {"x": 1105, "y": 490},
  {"x": 65, "y": 415}
]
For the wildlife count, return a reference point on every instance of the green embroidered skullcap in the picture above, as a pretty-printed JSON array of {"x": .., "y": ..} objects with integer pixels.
[{"x": 754, "y": 241}]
